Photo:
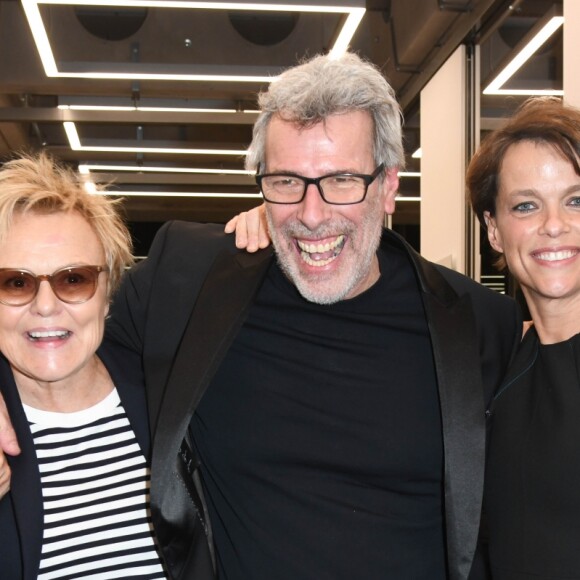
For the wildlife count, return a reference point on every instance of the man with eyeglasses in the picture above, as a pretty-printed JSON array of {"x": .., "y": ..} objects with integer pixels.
[{"x": 325, "y": 399}]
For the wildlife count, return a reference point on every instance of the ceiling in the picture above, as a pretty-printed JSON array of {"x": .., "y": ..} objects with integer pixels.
[{"x": 174, "y": 153}]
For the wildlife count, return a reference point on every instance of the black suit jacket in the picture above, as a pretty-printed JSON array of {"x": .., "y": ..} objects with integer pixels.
[
  {"x": 183, "y": 306},
  {"x": 21, "y": 511}
]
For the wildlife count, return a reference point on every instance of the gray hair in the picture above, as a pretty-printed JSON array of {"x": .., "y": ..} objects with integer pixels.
[{"x": 320, "y": 87}]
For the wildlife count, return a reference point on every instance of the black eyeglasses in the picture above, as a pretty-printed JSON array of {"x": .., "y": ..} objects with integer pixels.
[
  {"x": 335, "y": 188},
  {"x": 73, "y": 285}
]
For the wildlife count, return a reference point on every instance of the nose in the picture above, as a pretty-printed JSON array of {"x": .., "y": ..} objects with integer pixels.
[
  {"x": 313, "y": 209},
  {"x": 45, "y": 302},
  {"x": 554, "y": 222}
]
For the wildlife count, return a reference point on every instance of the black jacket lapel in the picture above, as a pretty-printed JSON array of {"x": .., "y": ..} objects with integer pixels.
[
  {"x": 26, "y": 494},
  {"x": 457, "y": 363},
  {"x": 458, "y": 366},
  {"x": 231, "y": 285},
  {"x": 177, "y": 504}
]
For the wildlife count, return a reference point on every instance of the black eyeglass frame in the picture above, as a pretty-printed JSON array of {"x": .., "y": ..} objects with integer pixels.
[
  {"x": 50, "y": 279},
  {"x": 368, "y": 179}
]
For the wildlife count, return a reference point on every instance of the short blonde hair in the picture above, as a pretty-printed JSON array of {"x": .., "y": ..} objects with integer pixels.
[{"x": 39, "y": 184}]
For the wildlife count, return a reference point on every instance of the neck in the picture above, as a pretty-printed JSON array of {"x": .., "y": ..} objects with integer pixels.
[
  {"x": 84, "y": 389},
  {"x": 555, "y": 320}
]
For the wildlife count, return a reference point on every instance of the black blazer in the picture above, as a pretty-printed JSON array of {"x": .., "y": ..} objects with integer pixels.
[
  {"x": 183, "y": 307},
  {"x": 21, "y": 512}
]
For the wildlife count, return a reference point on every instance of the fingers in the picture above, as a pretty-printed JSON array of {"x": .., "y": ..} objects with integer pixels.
[
  {"x": 8, "y": 441},
  {"x": 251, "y": 229},
  {"x": 230, "y": 227},
  {"x": 254, "y": 230},
  {"x": 8, "y": 444},
  {"x": 257, "y": 229},
  {"x": 4, "y": 476}
]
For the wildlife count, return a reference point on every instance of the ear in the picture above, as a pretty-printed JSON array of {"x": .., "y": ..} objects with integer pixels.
[
  {"x": 493, "y": 234},
  {"x": 390, "y": 187}
]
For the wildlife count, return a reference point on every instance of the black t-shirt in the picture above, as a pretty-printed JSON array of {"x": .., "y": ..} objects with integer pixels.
[
  {"x": 320, "y": 438},
  {"x": 533, "y": 473}
]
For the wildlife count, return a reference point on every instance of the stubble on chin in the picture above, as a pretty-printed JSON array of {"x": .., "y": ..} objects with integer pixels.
[{"x": 328, "y": 287}]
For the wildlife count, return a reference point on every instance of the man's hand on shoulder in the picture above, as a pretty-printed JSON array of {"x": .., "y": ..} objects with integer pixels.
[
  {"x": 251, "y": 229},
  {"x": 8, "y": 444}
]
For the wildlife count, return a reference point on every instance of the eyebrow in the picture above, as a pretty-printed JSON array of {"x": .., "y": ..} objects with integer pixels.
[{"x": 534, "y": 193}]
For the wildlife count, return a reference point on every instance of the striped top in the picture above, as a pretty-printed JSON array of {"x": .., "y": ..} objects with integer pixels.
[{"x": 95, "y": 487}]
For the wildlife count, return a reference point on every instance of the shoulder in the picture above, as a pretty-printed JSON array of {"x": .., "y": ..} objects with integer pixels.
[
  {"x": 186, "y": 232},
  {"x": 444, "y": 283},
  {"x": 464, "y": 285},
  {"x": 187, "y": 243}
]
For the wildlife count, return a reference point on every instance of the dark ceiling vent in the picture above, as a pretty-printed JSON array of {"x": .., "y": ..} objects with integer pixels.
[
  {"x": 111, "y": 24},
  {"x": 263, "y": 29}
]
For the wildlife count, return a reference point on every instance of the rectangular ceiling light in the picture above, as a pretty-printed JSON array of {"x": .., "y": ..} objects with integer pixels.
[
  {"x": 178, "y": 194},
  {"x": 353, "y": 16},
  {"x": 545, "y": 28},
  {"x": 75, "y": 145},
  {"x": 86, "y": 168},
  {"x": 150, "y": 105}
]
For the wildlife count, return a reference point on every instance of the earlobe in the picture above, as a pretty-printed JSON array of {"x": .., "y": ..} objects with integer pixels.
[
  {"x": 492, "y": 232},
  {"x": 390, "y": 188}
]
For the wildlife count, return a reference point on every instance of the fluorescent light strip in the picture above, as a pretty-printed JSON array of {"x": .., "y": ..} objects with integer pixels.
[
  {"x": 75, "y": 145},
  {"x": 150, "y": 109},
  {"x": 494, "y": 88},
  {"x": 178, "y": 194},
  {"x": 409, "y": 198},
  {"x": 418, "y": 154},
  {"x": 409, "y": 174},
  {"x": 85, "y": 169},
  {"x": 354, "y": 16}
]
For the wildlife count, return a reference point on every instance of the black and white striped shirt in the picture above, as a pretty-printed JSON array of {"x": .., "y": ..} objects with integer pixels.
[{"x": 95, "y": 487}]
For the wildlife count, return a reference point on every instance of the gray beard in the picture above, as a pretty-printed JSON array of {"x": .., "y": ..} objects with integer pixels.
[{"x": 360, "y": 270}]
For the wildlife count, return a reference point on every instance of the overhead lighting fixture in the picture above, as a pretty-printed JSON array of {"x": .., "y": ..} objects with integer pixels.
[
  {"x": 148, "y": 109},
  {"x": 86, "y": 168},
  {"x": 353, "y": 14},
  {"x": 178, "y": 194},
  {"x": 529, "y": 45},
  {"x": 418, "y": 154},
  {"x": 152, "y": 105},
  {"x": 408, "y": 198},
  {"x": 75, "y": 145},
  {"x": 409, "y": 174}
]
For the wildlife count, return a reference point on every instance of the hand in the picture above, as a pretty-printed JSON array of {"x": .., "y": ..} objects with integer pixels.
[
  {"x": 251, "y": 229},
  {"x": 8, "y": 444}
]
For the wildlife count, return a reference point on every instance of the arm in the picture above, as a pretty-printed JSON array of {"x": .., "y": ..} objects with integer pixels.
[{"x": 251, "y": 229}]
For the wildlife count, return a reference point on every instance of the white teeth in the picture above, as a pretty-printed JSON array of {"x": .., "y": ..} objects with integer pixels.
[
  {"x": 555, "y": 256},
  {"x": 49, "y": 334},
  {"x": 320, "y": 248},
  {"x": 318, "y": 263}
]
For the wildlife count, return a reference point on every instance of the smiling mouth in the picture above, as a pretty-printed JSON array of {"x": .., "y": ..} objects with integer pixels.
[
  {"x": 556, "y": 256},
  {"x": 49, "y": 335},
  {"x": 320, "y": 255}
]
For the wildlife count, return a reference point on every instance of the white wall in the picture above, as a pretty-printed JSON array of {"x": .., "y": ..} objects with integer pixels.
[
  {"x": 572, "y": 52},
  {"x": 443, "y": 164}
]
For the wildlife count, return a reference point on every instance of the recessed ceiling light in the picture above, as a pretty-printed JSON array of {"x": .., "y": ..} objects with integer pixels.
[{"x": 353, "y": 13}]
